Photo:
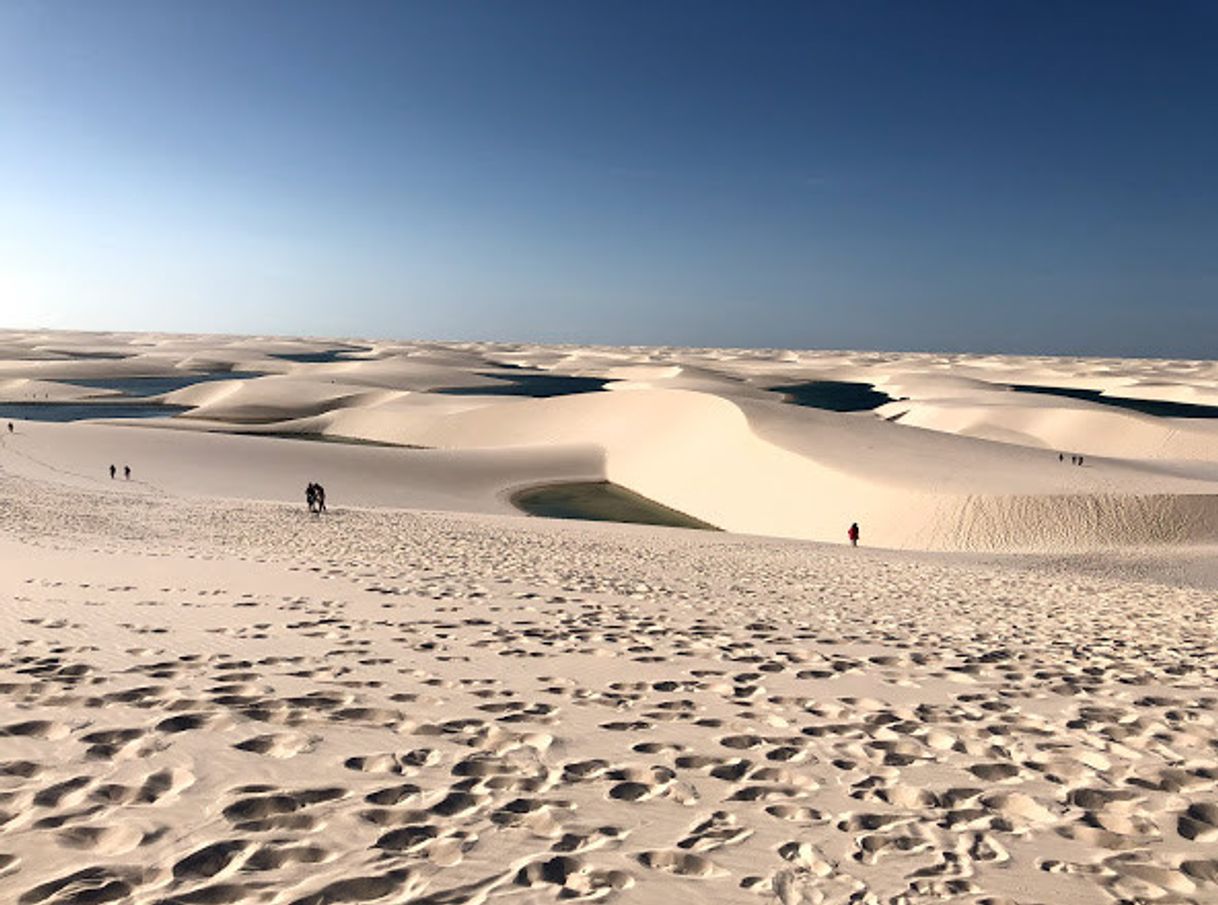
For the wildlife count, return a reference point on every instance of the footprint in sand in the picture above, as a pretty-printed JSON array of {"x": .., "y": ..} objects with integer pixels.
[
  {"x": 572, "y": 879},
  {"x": 107, "y": 743},
  {"x": 216, "y": 859},
  {"x": 575, "y": 842},
  {"x": 401, "y": 764},
  {"x": 91, "y": 884},
  {"x": 797, "y": 813},
  {"x": 280, "y": 810},
  {"x": 1199, "y": 823},
  {"x": 63, "y": 794},
  {"x": 164, "y": 785},
  {"x": 278, "y": 746},
  {"x": 9, "y": 864},
  {"x": 102, "y": 840},
  {"x": 41, "y": 729},
  {"x": 392, "y": 795},
  {"x": 399, "y": 883},
  {"x": 720, "y": 829},
  {"x": 186, "y": 722},
  {"x": 683, "y": 864}
]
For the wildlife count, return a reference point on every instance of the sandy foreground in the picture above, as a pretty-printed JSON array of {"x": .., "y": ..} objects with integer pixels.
[{"x": 209, "y": 696}]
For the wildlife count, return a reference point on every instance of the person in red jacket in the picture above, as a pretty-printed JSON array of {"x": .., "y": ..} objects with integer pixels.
[{"x": 853, "y": 534}]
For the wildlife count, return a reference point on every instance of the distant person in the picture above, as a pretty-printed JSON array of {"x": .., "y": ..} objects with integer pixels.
[
  {"x": 127, "y": 472},
  {"x": 112, "y": 471},
  {"x": 1080, "y": 460},
  {"x": 320, "y": 493},
  {"x": 10, "y": 427},
  {"x": 1061, "y": 458},
  {"x": 311, "y": 496},
  {"x": 853, "y": 534}
]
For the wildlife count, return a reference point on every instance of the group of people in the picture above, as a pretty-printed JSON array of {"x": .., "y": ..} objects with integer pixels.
[
  {"x": 315, "y": 496},
  {"x": 126, "y": 472},
  {"x": 1074, "y": 460}
]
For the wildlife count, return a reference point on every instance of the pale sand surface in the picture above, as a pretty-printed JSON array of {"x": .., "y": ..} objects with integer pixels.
[
  {"x": 226, "y": 702},
  {"x": 209, "y": 696},
  {"x": 958, "y": 462}
]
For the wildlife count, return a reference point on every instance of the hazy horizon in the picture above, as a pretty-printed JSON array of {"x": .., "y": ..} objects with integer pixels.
[
  {"x": 951, "y": 177},
  {"x": 459, "y": 340}
]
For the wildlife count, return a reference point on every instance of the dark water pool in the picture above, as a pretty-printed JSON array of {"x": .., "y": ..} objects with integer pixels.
[
  {"x": 508, "y": 365},
  {"x": 1158, "y": 407},
  {"x": 154, "y": 386},
  {"x": 322, "y": 357},
  {"x": 601, "y": 501},
  {"x": 834, "y": 395},
  {"x": 81, "y": 411},
  {"x": 105, "y": 356},
  {"x": 539, "y": 386}
]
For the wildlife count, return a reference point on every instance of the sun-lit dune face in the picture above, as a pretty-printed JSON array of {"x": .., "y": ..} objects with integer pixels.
[
  {"x": 925, "y": 451},
  {"x": 424, "y": 695},
  {"x": 385, "y": 706}
]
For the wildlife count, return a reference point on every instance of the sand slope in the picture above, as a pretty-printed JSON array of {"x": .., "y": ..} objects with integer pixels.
[
  {"x": 210, "y": 696},
  {"x": 209, "y": 702}
]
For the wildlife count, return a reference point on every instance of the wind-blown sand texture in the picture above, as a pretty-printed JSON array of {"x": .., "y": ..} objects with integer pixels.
[{"x": 208, "y": 696}]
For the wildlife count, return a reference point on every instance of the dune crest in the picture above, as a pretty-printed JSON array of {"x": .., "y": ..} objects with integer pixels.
[{"x": 948, "y": 452}]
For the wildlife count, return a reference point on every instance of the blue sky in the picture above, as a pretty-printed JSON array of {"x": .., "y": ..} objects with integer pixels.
[{"x": 1023, "y": 176}]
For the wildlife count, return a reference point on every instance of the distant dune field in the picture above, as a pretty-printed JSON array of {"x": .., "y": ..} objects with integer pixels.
[{"x": 950, "y": 456}]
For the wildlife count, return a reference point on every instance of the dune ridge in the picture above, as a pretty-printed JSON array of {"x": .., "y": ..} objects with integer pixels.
[{"x": 959, "y": 461}]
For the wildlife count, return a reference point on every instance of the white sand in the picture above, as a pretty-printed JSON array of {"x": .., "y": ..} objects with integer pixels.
[
  {"x": 966, "y": 465},
  {"x": 209, "y": 696}
]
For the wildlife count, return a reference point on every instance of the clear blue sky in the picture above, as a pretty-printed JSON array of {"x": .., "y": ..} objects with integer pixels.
[{"x": 1010, "y": 176}]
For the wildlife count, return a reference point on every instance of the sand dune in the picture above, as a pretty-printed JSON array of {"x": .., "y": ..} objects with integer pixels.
[
  {"x": 198, "y": 463},
  {"x": 960, "y": 461},
  {"x": 210, "y": 696}
]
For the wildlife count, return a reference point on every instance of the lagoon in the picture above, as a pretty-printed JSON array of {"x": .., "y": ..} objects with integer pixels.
[
  {"x": 834, "y": 395},
  {"x": 83, "y": 411},
  {"x": 601, "y": 501},
  {"x": 538, "y": 386},
  {"x": 1159, "y": 407}
]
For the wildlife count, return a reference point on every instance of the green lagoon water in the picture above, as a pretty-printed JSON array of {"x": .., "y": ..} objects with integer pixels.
[{"x": 601, "y": 501}]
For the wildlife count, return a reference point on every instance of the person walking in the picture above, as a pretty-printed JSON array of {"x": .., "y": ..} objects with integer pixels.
[
  {"x": 311, "y": 496},
  {"x": 126, "y": 472},
  {"x": 853, "y": 534},
  {"x": 320, "y": 493},
  {"x": 112, "y": 470}
]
